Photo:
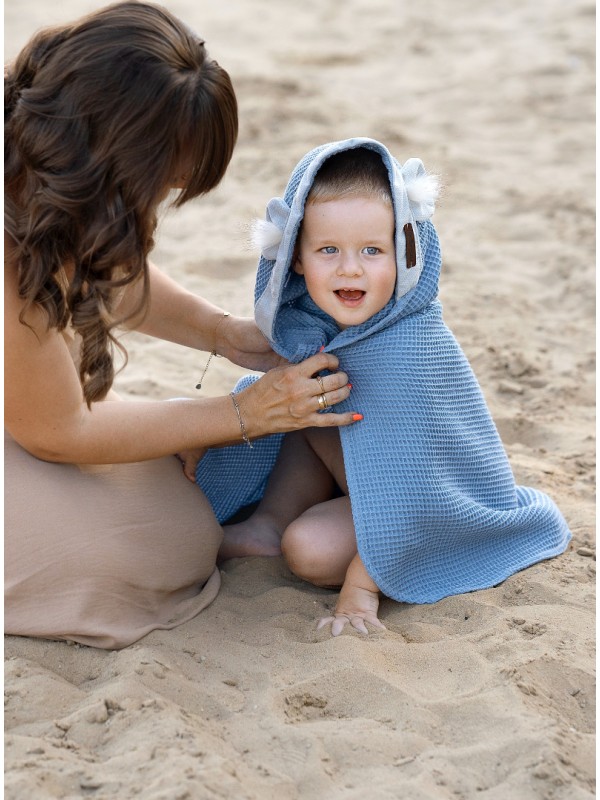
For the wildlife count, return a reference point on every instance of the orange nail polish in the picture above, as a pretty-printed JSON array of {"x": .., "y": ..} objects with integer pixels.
[
  {"x": 349, "y": 385},
  {"x": 357, "y": 417},
  {"x": 321, "y": 348}
]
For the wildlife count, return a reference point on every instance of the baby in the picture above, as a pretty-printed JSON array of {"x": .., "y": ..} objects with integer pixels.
[{"x": 417, "y": 500}]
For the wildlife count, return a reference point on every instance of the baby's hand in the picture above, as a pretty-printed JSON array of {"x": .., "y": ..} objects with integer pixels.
[{"x": 356, "y": 605}]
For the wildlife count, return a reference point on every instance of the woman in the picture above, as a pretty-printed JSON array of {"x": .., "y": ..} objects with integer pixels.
[{"x": 105, "y": 538}]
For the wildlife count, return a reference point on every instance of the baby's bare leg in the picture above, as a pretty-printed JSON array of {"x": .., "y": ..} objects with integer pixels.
[
  {"x": 326, "y": 444},
  {"x": 298, "y": 481},
  {"x": 321, "y": 543}
]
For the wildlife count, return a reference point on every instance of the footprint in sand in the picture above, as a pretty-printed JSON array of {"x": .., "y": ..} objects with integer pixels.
[{"x": 559, "y": 690}]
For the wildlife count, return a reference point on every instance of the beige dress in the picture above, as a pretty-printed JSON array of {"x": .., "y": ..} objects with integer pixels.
[{"x": 103, "y": 555}]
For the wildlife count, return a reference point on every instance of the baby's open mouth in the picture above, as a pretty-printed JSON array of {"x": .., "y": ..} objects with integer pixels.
[{"x": 350, "y": 295}]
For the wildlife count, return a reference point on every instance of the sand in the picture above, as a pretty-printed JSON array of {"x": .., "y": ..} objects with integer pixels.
[{"x": 488, "y": 695}]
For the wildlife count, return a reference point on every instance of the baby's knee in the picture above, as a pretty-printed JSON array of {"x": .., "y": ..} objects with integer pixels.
[{"x": 301, "y": 555}]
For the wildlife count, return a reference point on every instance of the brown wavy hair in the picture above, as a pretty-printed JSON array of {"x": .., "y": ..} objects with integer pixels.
[{"x": 101, "y": 116}]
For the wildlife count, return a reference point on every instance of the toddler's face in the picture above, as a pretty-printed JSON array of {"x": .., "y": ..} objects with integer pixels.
[{"x": 347, "y": 256}]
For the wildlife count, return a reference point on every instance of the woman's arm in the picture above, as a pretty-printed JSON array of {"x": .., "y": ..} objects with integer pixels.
[
  {"x": 179, "y": 316},
  {"x": 45, "y": 411}
]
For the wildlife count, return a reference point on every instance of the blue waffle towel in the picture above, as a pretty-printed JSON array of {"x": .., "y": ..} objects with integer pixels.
[{"x": 434, "y": 501}]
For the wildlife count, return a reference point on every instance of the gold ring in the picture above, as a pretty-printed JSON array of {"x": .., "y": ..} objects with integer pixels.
[
  {"x": 320, "y": 379},
  {"x": 322, "y": 400}
]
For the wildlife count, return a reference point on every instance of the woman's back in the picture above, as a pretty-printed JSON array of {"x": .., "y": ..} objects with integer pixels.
[{"x": 97, "y": 554}]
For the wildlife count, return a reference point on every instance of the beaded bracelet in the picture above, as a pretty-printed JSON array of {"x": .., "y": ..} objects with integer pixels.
[{"x": 241, "y": 421}]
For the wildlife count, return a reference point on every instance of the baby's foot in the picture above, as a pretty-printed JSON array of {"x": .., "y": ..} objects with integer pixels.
[{"x": 257, "y": 536}]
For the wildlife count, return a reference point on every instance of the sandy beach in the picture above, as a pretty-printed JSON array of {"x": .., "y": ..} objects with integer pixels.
[{"x": 489, "y": 695}]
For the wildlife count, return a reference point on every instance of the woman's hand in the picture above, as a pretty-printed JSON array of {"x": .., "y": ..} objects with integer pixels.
[
  {"x": 189, "y": 460},
  {"x": 358, "y": 602},
  {"x": 242, "y": 343},
  {"x": 290, "y": 398}
]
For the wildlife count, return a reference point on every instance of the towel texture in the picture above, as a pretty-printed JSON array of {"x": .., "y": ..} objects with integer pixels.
[{"x": 435, "y": 505}]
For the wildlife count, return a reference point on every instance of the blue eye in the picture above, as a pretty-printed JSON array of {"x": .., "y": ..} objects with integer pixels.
[
  {"x": 371, "y": 251},
  {"x": 330, "y": 250}
]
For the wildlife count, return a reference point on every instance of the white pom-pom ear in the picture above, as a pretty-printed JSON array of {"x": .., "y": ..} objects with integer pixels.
[
  {"x": 265, "y": 237},
  {"x": 423, "y": 191}
]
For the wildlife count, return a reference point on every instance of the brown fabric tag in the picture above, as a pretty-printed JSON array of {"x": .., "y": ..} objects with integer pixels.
[{"x": 411, "y": 247}]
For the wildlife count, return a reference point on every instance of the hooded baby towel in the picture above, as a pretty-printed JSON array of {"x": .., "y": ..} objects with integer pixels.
[{"x": 434, "y": 501}]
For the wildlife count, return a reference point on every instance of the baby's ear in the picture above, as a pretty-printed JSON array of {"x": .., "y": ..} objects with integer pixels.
[{"x": 297, "y": 263}]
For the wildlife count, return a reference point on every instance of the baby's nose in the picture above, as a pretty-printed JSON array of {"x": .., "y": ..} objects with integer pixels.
[{"x": 350, "y": 265}]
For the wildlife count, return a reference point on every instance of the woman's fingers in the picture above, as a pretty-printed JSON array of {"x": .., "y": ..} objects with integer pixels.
[
  {"x": 310, "y": 393},
  {"x": 328, "y": 390},
  {"x": 331, "y": 398},
  {"x": 189, "y": 460},
  {"x": 319, "y": 363},
  {"x": 292, "y": 397},
  {"x": 335, "y": 420},
  {"x": 329, "y": 383}
]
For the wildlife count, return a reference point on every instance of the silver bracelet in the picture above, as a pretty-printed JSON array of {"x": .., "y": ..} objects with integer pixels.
[{"x": 241, "y": 421}]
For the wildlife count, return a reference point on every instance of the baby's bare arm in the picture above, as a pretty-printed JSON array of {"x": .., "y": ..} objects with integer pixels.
[{"x": 358, "y": 602}]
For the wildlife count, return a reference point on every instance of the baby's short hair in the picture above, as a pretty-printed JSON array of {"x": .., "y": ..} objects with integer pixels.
[{"x": 351, "y": 173}]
